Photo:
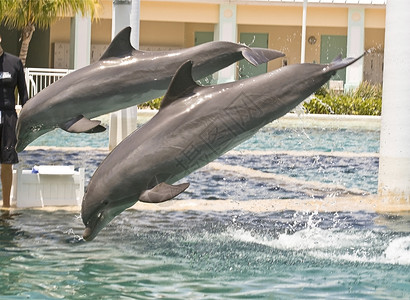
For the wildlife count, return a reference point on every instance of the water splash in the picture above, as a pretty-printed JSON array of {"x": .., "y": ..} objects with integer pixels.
[
  {"x": 330, "y": 243},
  {"x": 398, "y": 251}
]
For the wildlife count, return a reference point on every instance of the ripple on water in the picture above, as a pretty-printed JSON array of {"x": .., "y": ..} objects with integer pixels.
[
  {"x": 218, "y": 255},
  {"x": 195, "y": 254}
]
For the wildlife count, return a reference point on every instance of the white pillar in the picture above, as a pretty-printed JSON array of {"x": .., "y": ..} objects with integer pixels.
[
  {"x": 226, "y": 30},
  {"x": 135, "y": 24},
  {"x": 394, "y": 164},
  {"x": 80, "y": 41},
  {"x": 121, "y": 10},
  {"x": 303, "y": 42},
  {"x": 355, "y": 46},
  {"x": 124, "y": 122}
]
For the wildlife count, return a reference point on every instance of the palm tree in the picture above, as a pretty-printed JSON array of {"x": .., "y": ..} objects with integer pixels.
[{"x": 26, "y": 15}]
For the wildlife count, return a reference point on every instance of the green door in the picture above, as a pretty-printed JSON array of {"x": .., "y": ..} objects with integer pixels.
[
  {"x": 330, "y": 47},
  {"x": 201, "y": 38},
  {"x": 259, "y": 40}
]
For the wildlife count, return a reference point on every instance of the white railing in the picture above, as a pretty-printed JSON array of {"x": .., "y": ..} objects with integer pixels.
[{"x": 39, "y": 78}]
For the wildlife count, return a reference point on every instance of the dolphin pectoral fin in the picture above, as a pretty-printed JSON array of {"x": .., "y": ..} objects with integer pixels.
[
  {"x": 81, "y": 124},
  {"x": 257, "y": 56},
  {"x": 162, "y": 192}
]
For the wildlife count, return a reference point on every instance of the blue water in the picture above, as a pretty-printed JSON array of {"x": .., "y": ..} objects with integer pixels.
[
  {"x": 268, "y": 138},
  {"x": 346, "y": 157},
  {"x": 226, "y": 254},
  {"x": 206, "y": 255}
]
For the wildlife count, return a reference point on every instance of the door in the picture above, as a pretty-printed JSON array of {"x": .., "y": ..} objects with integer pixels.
[
  {"x": 330, "y": 47},
  {"x": 259, "y": 40},
  {"x": 202, "y": 37}
]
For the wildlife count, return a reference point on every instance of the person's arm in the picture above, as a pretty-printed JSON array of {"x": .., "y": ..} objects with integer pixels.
[{"x": 21, "y": 85}]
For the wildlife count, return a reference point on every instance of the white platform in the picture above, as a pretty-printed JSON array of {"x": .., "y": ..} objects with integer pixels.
[{"x": 51, "y": 186}]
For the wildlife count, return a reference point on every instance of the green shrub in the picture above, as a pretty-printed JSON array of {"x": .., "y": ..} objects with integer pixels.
[
  {"x": 152, "y": 104},
  {"x": 365, "y": 100}
]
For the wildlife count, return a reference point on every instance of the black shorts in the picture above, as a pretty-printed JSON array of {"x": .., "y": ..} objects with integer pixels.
[{"x": 8, "y": 140}]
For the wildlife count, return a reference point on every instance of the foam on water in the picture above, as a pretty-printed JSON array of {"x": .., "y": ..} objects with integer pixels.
[
  {"x": 398, "y": 251},
  {"x": 333, "y": 244},
  {"x": 190, "y": 254},
  {"x": 302, "y": 153},
  {"x": 260, "y": 222}
]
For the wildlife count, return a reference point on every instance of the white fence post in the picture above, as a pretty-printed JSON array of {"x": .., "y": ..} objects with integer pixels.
[{"x": 38, "y": 79}]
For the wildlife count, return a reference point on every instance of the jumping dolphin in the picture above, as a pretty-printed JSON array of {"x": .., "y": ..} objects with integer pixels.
[
  {"x": 194, "y": 125},
  {"x": 123, "y": 77}
]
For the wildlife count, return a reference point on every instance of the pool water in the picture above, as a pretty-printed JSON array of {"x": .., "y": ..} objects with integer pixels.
[
  {"x": 269, "y": 138},
  {"x": 224, "y": 254},
  {"x": 206, "y": 255},
  {"x": 334, "y": 157}
]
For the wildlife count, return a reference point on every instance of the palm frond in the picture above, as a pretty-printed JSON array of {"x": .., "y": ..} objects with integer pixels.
[{"x": 42, "y": 13}]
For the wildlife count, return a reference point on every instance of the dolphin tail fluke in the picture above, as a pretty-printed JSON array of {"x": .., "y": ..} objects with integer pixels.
[
  {"x": 339, "y": 63},
  {"x": 81, "y": 124},
  {"x": 257, "y": 56},
  {"x": 162, "y": 192}
]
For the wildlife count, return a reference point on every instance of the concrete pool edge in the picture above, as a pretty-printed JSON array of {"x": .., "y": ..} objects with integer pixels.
[
  {"x": 295, "y": 120},
  {"x": 371, "y": 203}
]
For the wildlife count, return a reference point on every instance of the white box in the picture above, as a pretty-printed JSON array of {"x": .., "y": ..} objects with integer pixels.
[
  {"x": 51, "y": 186},
  {"x": 336, "y": 85}
]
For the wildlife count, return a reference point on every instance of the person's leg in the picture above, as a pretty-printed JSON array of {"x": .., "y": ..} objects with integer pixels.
[
  {"x": 6, "y": 180},
  {"x": 8, "y": 154}
]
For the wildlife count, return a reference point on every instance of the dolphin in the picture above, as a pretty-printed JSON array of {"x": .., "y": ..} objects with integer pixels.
[
  {"x": 195, "y": 125},
  {"x": 123, "y": 77}
]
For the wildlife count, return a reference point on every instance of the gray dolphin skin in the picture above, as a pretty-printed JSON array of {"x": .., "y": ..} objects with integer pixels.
[
  {"x": 194, "y": 125},
  {"x": 123, "y": 77}
]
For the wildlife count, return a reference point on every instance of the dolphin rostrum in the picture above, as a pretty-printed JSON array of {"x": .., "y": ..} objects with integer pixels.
[
  {"x": 194, "y": 125},
  {"x": 123, "y": 77}
]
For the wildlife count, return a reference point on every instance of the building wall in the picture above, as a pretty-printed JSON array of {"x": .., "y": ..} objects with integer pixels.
[
  {"x": 164, "y": 34},
  {"x": 374, "y": 39},
  {"x": 173, "y": 25},
  {"x": 101, "y": 31},
  {"x": 269, "y": 15},
  {"x": 179, "y": 12},
  {"x": 288, "y": 40},
  {"x": 375, "y": 18},
  {"x": 60, "y": 34},
  {"x": 191, "y": 28}
]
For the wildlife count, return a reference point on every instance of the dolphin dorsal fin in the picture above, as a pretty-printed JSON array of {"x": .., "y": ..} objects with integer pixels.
[
  {"x": 120, "y": 46},
  {"x": 182, "y": 84}
]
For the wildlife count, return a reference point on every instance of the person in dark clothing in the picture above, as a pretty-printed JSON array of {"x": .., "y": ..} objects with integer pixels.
[{"x": 11, "y": 76}]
